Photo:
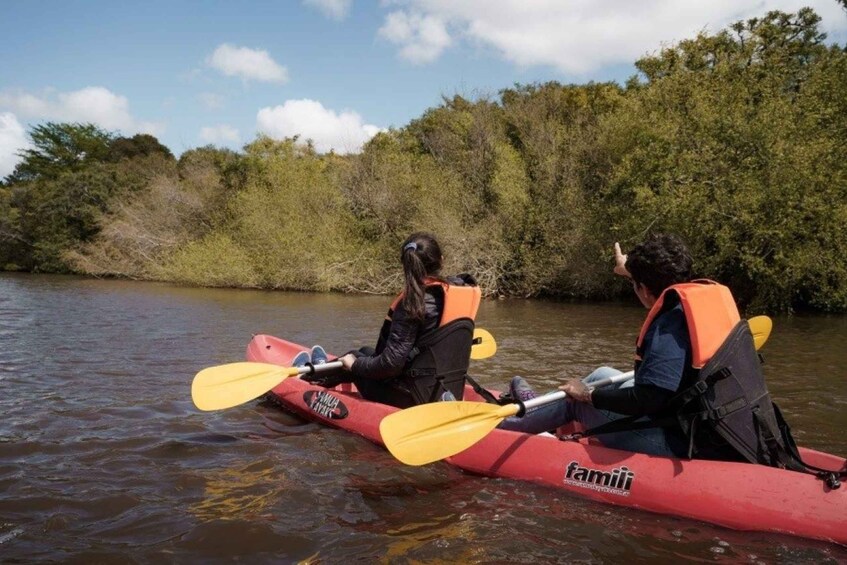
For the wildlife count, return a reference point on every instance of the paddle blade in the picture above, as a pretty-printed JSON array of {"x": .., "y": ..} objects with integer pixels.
[
  {"x": 483, "y": 344},
  {"x": 430, "y": 432},
  {"x": 229, "y": 385},
  {"x": 760, "y": 327}
]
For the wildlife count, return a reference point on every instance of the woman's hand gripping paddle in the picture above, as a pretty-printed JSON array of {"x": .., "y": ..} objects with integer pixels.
[{"x": 431, "y": 432}]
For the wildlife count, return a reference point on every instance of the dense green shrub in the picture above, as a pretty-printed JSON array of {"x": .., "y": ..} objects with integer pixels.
[{"x": 736, "y": 140}]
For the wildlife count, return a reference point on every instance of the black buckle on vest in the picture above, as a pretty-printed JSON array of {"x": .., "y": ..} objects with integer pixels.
[
  {"x": 717, "y": 414},
  {"x": 412, "y": 354},
  {"x": 831, "y": 480},
  {"x": 719, "y": 375}
]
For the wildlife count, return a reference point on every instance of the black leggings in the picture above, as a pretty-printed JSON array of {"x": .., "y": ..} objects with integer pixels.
[{"x": 385, "y": 392}]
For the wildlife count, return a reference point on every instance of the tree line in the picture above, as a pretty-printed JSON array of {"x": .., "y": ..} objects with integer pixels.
[{"x": 735, "y": 140}]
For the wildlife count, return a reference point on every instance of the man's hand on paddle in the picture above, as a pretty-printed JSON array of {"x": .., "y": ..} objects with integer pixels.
[{"x": 577, "y": 390}]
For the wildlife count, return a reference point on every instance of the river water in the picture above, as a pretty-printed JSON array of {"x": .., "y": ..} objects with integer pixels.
[{"x": 103, "y": 457}]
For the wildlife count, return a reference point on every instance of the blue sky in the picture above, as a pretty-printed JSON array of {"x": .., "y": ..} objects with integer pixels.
[{"x": 336, "y": 71}]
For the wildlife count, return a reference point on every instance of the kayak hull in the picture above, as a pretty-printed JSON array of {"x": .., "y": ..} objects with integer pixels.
[{"x": 735, "y": 495}]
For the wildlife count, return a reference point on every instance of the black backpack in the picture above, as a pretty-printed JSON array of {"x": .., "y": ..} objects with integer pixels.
[
  {"x": 729, "y": 406},
  {"x": 439, "y": 362}
]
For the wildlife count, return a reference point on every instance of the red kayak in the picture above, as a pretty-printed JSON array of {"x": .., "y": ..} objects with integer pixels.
[{"x": 741, "y": 496}]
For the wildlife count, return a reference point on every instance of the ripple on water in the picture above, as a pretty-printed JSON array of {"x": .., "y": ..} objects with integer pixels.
[{"x": 10, "y": 532}]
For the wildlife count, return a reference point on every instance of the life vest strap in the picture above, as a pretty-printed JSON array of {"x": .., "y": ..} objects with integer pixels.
[
  {"x": 625, "y": 424},
  {"x": 829, "y": 476},
  {"x": 489, "y": 398}
]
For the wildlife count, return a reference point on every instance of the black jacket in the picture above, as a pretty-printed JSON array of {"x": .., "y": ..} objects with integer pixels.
[{"x": 392, "y": 353}]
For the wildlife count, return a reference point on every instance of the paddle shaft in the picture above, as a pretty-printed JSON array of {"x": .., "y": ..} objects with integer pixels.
[
  {"x": 309, "y": 369},
  {"x": 547, "y": 398}
]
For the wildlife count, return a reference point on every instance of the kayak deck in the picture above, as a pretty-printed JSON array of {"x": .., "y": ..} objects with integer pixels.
[{"x": 741, "y": 496}]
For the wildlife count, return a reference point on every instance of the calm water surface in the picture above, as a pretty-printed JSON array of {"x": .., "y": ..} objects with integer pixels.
[{"x": 103, "y": 457}]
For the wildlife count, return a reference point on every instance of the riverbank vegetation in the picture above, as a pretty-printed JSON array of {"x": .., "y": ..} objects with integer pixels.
[{"x": 735, "y": 140}]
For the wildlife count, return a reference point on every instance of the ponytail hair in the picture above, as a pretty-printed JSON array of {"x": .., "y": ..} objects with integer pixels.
[{"x": 421, "y": 258}]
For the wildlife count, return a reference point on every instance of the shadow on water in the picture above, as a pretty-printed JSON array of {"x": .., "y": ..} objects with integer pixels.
[{"x": 103, "y": 458}]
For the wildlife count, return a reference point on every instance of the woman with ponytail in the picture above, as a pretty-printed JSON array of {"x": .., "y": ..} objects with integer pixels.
[
  {"x": 421, "y": 258},
  {"x": 428, "y": 325}
]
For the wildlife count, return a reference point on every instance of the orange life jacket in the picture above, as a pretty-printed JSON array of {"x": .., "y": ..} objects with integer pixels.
[
  {"x": 710, "y": 314},
  {"x": 459, "y": 301}
]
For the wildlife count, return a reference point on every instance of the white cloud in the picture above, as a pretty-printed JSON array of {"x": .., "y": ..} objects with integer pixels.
[
  {"x": 333, "y": 9},
  {"x": 577, "y": 36},
  {"x": 422, "y": 39},
  {"x": 220, "y": 134},
  {"x": 344, "y": 133},
  {"x": 211, "y": 101},
  {"x": 249, "y": 64},
  {"x": 93, "y": 104},
  {"x": 13, "y": 139}
]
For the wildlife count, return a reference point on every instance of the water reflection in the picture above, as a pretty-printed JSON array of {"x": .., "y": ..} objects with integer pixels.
[{"x": 239, "y": 493}]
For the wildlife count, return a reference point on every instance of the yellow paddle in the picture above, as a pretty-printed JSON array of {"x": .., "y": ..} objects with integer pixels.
[
  {"x": 225, "y": 386},
  {"x": 760, "y": 327},
  {"x": 483, "y": 344},
  {"x": 431, "y": 432}
]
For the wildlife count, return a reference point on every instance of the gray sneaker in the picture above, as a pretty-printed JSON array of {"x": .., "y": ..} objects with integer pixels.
[
  {"x": 520, "y": 389},
  {"x": 319, "y": 356},
  {"x": 300, "y": 359}
]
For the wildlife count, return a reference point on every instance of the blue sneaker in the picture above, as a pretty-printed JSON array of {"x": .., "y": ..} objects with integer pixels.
[
  {"x": 319, "y": 356},
  {"x": 447, "y": 396},
  {"x": 520, "y": 389},
  {"x": 300, "y": 359}
]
